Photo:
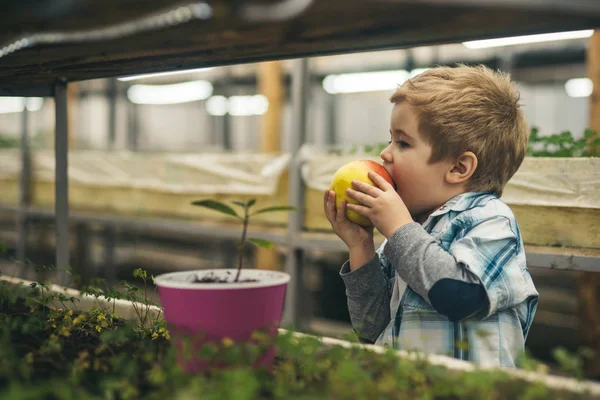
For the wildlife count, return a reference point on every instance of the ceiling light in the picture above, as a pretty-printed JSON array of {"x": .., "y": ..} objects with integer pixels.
[
  {"x": 248, "y": 105},
  {"x": 17, "y": 104},
  {"x": 237, "y": 105},
  {"x": 546, "y": 37},
  {"x": 364, "y": 81},
  {"x": 170, "y": 94},
  {"x": 185, "y": 71},
  {"x": 216, "y": 105},
  {"x": 579, "y": 87}
]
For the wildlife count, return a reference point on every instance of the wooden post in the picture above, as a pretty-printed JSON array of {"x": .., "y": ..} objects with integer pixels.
[
  {"x": 589, "y": 282},
  {"x": 270, "y": 82},
  {"x": 72, "y": 97},
  {"x": 270, "y": 85}
]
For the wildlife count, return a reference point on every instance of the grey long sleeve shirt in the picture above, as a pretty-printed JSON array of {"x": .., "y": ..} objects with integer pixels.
[
  {"x": 457, "y": 285},
  {"x": 428, "y": 269}
]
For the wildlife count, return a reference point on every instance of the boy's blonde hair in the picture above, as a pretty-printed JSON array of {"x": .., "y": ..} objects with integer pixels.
[{"x": 470, "y": 109}]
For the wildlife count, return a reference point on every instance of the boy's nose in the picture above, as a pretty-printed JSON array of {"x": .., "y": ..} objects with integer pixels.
[{"x": 386, "y": 155}]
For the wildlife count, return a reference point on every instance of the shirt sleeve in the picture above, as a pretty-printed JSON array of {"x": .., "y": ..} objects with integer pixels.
[
  {"x": 493, "y": 251},
  {"x": 435, "y": 274},
  {"x": 368, "y": 291}
]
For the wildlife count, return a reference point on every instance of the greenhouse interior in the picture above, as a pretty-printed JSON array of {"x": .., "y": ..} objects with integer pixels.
[{"x": 103, "y": 157}]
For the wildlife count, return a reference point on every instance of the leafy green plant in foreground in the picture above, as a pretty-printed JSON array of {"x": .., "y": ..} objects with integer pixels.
[
  {"x": 245, "y": 219},
  {"x": 52, "y": 350}
]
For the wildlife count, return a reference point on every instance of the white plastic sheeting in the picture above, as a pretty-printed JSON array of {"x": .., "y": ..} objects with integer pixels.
[
  {"x": 206, "y": 174},
  {"x": 558, "y": 182}
]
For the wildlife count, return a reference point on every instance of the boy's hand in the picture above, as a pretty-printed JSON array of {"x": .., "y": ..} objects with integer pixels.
[
  {"x": 354, "y": 235},
  {"x": 381, "y": 204}
]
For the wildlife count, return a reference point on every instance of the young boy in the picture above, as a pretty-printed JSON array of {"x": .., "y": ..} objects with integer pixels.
[{"x": 451, "y": 277}]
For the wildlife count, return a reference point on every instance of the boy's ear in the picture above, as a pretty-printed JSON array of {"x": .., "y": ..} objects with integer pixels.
[{"x": 463, "y": 169}]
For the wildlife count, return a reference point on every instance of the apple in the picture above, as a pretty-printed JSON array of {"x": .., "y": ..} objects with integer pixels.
[{"x": 343, "y": 178}]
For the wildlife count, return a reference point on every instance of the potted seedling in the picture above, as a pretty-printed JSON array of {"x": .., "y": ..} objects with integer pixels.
[{"x": 224, "y": 306}]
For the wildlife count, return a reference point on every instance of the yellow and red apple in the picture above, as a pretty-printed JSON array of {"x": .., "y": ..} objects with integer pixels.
[{"x": 342, "y": 180}]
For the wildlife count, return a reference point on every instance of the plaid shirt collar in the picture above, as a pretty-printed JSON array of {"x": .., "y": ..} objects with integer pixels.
[{"x": 460, "y": 203}]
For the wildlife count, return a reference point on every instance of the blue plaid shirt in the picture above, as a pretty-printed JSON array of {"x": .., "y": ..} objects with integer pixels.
[{"x": 473, "y": 228}]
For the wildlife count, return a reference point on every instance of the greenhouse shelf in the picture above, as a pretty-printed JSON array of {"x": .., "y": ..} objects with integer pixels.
[
  {"x": 562, "y": 258},
  {"x": 108, "y": 39}
]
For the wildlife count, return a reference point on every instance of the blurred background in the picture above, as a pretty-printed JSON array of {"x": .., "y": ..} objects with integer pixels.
[{"x": 246, "y": 109}]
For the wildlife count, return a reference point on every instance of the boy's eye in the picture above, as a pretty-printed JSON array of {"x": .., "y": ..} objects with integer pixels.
[{"x": 403, "y": 144}]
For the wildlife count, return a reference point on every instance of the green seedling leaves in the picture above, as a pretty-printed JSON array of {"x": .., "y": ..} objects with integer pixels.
[
  {"x": 275, "y": 208},
  {"x": 245, "y": 205},
  {"x": 216, "y": 206},
  {"x": 225, "y": 209}
]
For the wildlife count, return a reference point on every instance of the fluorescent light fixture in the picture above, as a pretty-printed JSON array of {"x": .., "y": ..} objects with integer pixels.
[
  {"x": 237, "y": 105},
  {"x": 185, "y": 71},
  {"x": 368, "y": 81},
  {"x": 170, "y": 94},
  {"x": 579, "y": 87},
  {"x": 364, "y": 81},
  {"x": 248, "y": 105},
  {"x": 18, "y": 104},
  {"x": 545, "y": 37},
  {"x": 216, "y": 105}
]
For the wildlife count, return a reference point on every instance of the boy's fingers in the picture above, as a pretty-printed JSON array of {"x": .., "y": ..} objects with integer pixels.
[
  {"x": 366, "y": 188},
  {"x": 379, "y": 181},
  {"x": 326, "y": 203},
  {"x": 360, "y": 196},
  {"x": 329, "y": 200},
  {"x": 340, "y": 217},
  {"x": 362, "y": 210}
]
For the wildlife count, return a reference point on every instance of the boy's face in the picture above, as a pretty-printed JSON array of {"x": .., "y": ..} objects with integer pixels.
[{"x": 422, "y": 186}]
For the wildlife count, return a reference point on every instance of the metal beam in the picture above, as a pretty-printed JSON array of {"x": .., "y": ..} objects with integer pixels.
[
  {"x": 33, "y": 91},
  {"x": 293, "y": 266},
  {"x": 537, "y": 256},
  {"x": 61, "y": 202},
  {"x": 565, "y": 261},
  {"x": 25, "y": 195},
  {"x": 330, "y": 119},
  {"x": 133, "y": 126},
  {"x": 588, "y": 7},
  {"x": 164, "y": 226},
  {"x": 112, "y": 93}
]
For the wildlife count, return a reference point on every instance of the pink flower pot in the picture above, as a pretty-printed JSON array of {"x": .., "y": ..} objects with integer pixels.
[{"x": 211, "y": 312}]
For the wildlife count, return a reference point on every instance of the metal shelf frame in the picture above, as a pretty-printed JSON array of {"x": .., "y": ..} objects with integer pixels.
[
  {"x": 560, "y": 258},
  {"x": 293, "y": 237}
]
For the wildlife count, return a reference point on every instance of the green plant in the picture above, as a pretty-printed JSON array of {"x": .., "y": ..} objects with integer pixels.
[
  {"x": 138, "y": 297},
  {"x": 557, "y": 145},
  {"x": 245, "y": 219},
  {"x": 87, "y": 353},
  {"x": 9, "y": 141},
  {"x": 571, "y": 364},
  {"x": 36, "y": 140},
  {"x": 563, "y": 144},
  {"x": 48, "y": 350}
]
